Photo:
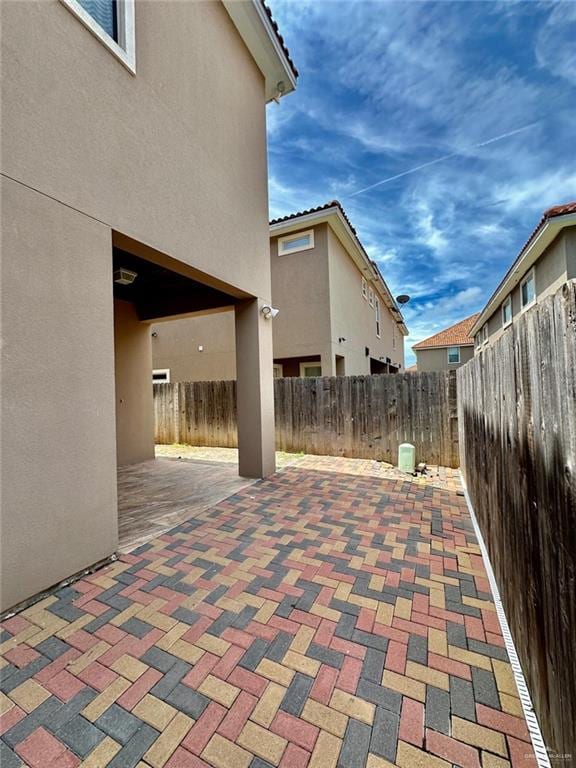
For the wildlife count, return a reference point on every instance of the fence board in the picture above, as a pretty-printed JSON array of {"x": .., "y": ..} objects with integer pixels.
[
  {"x": 517, "y": 415},
  {"x": 356, "y": 416}
]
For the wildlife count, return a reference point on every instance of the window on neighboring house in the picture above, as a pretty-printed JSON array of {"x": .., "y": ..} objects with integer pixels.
[
  {"x": 453, "y": 355},
  {"x": 302, "y": 241},
  {"x": 278, "y": 370},
  {"x": 112, "y": 22},
  {"x": 485, "y": 333},
  {"x": 371, "y": 297},
  {"x": 364, "y": 288},
  {"x": 507, "y": 311},
  {"x": 528, "y": 290},
  {"x": 310, "y": 369},
  {"x": 377, "y": 308},
  {"x": 161, "y": 376}
]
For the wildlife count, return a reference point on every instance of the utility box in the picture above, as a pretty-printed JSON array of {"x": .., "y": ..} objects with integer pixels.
[{"x": 407, "y": 458}]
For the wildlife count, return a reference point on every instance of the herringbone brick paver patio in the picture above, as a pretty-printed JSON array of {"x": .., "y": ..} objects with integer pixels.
[{"x": 313, "y": 619}]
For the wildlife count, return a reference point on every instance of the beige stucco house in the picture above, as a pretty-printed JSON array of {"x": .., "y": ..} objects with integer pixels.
[
  {"x": 546, "y": 262},
  {"x": 447, "y": 349},
  {"x": 337, "y": 315},
  {"x": 134, "y": 190}
]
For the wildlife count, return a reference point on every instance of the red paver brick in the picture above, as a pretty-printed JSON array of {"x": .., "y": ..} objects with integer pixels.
[
  {"x": 266, "y": 632},
  {"x": 294, "y": 757},
  {"x": 295, "y": 730},
  {"x": 454, "y": 751},
  {"x": 474, "y": 628},
  {"x": 348, "y": 647},
  {"x": 324, "y": 684},
  {"x": 410, "y": 627},
  {"x": 15, "y": 624},
  {"x": 238, "y": 637},
  {"x": 450, "y": 666},
  {"x": 412, "y": 722},
  {"x": 396, "y": 657},
  {"x": 500, "y": 721},
  {"x": 204, "y": 728},
  {"x": 139, "y": 689},
  {"x": 110, "y": 634},
  {"x": 382, "y": 630},
  {"x": 237, "y": 715},
  {"x": 64, "y": 685},
  {"x": 82, "y": 640},
  {"x": 349, "y": 674},
  {"x": 97, "y": 676},
  {"x": 248, "y": 681},
  {"x": 40, "y": 748},
  {"x": 366, "y": 619},
  {"x": 228, "y": 662},
  {"x": 10, "y": 718},
  {"x": 56, "y": 666},
  {"x": 305, "y": 618},
  {"x": 197, "y": 629},
  {"x": 201, "y": 670},
  {"x": 495, "y": 639},
  {"x": 325, "y": 632},
  {"x": 21, "y": 655},
  {"x": 521, "y": 753}
]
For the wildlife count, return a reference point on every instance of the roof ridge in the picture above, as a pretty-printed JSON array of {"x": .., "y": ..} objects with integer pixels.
[{"x": 455, "y": 335}]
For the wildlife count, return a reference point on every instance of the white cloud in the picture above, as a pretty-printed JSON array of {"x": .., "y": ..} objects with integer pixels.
[{"x": 556, "y": 42}]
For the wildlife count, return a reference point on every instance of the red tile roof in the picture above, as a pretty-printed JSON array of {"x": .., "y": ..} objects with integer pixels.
[
  {"x": 455, "y": 336},
  {"x": 317, "y": 209},
  {"x": 556, "y": 210},
  {"x": 280, "y": 38}
]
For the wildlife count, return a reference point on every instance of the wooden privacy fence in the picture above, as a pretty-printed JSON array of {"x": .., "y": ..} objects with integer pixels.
[
  {"x": 357, "y": 416},
  {"x": 517, "y": 415}
]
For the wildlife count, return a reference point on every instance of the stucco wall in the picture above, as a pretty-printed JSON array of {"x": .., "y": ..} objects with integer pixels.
[
  {"x": 554, "y": 267},
  {"x": 173, "y": 157},
  {"x": 58, "y": 511},
  {"x": 133, "y": 375},
  {"x": 437, "y": 359},
  {"x": 353, "y": 318},
  {"x": 176, "y": 347}
]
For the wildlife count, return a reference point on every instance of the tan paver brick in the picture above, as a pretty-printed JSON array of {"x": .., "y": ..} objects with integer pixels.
[
  {"x": 102, "y": 755},
  {"x": 262, "y": 742},
  {"x": 353, "y": 706},
  {"x": 275, "y": 672},
  {"x": 326, "y": 718},
  {"x": 222, "y": 753},
  {"x": 154, "y": 712},
  {"x": 100, "y": 704},
  {"x": 219, "y": 690},
  {"x": 129, "y": 667},
  {"x": 168, "y": 740},
  {"x": 427, "y": 675},
  {"x": 269, "y": 703},
  {"x": 301, "y": 663},
  {"x": 491, "y": 761},
  {"x": 469, "y": 657},
  {"x": 478, "y": 736},
  {"x": 405, "y": 685},
  {"x": 29, "y": 695},
  {"x": 326, "y": 751},
  {"x": 504, "y": 677},
  {"x": 408, "y": 756}
]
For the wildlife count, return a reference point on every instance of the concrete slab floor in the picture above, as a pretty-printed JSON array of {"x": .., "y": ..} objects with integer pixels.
[{"x": 314, "y": 619}]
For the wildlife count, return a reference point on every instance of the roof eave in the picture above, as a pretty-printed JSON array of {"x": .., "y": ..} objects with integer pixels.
[
  {"x": 541, "y": 239},
  {"x": 255, "y": 27},
  {"x": 416, "y": 348},
  {"x": 350, "y": 242}
]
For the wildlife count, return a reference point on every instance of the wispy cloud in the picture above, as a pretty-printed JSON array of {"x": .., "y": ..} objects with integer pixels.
[{"x": 446, "y": 128}]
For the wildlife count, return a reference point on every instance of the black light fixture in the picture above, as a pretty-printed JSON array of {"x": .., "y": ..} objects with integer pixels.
[{"x": 341, "y": 339}]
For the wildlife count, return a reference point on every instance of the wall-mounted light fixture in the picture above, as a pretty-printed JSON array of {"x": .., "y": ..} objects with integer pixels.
[
  {"x": 341, "y": 339},
  {"x": 269, "y": 312},
  {"x": 200, "y": 348},
  {"x": 124, "y": 276},
  {"x": 154, "y": 334}
]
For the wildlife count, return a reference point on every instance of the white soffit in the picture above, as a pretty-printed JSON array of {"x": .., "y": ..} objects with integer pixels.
[{"x": 255, "y": 28}]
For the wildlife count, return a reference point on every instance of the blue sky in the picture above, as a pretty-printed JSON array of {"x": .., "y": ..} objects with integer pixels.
[{"x": 487, "y": 90}]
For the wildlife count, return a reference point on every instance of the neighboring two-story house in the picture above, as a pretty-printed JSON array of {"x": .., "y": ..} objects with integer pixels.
[
  {"x": 337, "y": 316},
  {"x": 546, "y": 262},
  {"x": 134, "y": 189},
  {"x": 447, "y": 349}
]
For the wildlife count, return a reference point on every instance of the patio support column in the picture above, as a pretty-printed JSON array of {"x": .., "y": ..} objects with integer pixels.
[
  {"x": 254, "y": 390},
  {"x": 328, "y": 361}
]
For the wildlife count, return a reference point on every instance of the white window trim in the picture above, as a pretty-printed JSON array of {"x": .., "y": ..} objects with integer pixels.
[
  {"x": 507, "y": 300},
  {"x": 166, "y": 371},
  {"x": 394, "y": 336},
  {"x": 453, "y": 362},
  {"x": 278, "y": 367},
  {"x": 371, "y": 296},
  {"x": 530, "y": 274},
  {"x": 364, "y": 288},
  {"x": 286, "y": 251},
  {"x": 125, "y": 49},
  {"x": 378, "y": 317},
  {"x": 309, "y": 364}
]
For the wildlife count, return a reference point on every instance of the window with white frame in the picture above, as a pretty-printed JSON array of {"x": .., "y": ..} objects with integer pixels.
[
  {"x": 528, "y": 290},
  {"x": 453, "y": 355},
  {"x": 371, "y": 297},
  {"x": 507, "y": 311},
  {"x": 161, "y": 376},
  {"x": 293, "y": 243},
  {"x": 278, "y": 371},
  {"x": 377, "y": 309},
  {"x": 394, "y": 336},
  {"x": 112, "y": 22},
  {"x": 364, "y": 288},
  {"x": 310, "y": 369}
]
